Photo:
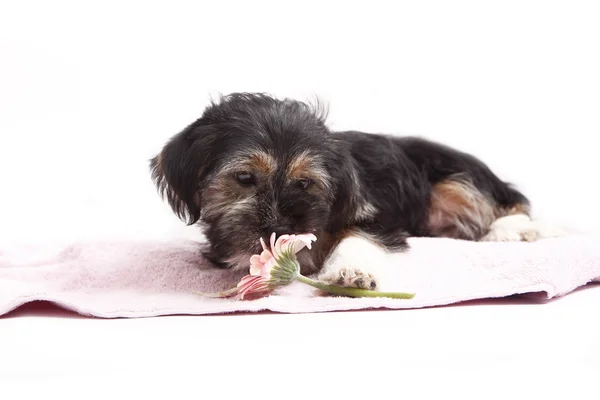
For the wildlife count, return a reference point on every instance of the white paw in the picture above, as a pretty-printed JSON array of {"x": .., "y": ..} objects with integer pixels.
[
  {"x": 356, "y": 262},
  {"x": 502, "y": 234},
  {"x": 349, "y": 277},
  {"x": 517, "y": 228}
]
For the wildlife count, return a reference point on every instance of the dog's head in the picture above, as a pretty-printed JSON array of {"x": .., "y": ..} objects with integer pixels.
[{"x": 253, "y": 165}]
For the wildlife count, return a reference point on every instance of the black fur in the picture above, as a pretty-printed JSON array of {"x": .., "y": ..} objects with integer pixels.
[{"x": 394, "y": 175}]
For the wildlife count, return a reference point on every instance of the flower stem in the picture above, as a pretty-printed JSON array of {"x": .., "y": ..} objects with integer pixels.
[{"x": 352, "y": 292}]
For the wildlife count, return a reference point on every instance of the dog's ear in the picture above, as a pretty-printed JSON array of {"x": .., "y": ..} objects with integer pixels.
[{"x": 179, "y": 169}]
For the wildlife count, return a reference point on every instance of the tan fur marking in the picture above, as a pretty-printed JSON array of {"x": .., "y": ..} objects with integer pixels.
[
  {"x": 257, "y": 162},
  {"x": 306, "y": 166},
  {"x": 300, "y": 166},
  {"x": 220, "y": 195},
  {"x": 459, "y": 210},
  {"x": 262, "y": 162}
]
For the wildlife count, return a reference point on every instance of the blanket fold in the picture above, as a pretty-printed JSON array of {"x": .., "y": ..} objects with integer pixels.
[{"x": 110, "y": 279}]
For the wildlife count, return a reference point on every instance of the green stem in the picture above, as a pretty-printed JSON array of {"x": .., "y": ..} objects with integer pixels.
[{"x": 352, "y": 292}]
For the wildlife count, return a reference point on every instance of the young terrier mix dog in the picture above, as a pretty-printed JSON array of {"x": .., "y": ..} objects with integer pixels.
[{"x": 253, "y": 164}]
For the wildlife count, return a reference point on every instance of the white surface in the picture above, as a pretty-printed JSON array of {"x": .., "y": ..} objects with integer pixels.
[
  {"x": 468, "y": 352},
  {"x": 89, "y": 92}
]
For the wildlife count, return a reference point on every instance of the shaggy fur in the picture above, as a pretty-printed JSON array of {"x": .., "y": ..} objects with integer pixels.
[{"x": 253, "y": 164}]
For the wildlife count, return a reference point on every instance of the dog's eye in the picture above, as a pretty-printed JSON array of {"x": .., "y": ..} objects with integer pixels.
[
  {"x": 245, "y": 178},
  {"x": 304, "y": 183}
]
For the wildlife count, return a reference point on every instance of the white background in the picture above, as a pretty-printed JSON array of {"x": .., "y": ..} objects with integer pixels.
[{"x": 89, "y": 91}]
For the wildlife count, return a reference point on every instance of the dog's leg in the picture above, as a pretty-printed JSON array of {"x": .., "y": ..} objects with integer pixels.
[
  {"x": 520, "y": 227},
  {"x": 460, "y": 210},
  {"x": 357, "y": 261}
]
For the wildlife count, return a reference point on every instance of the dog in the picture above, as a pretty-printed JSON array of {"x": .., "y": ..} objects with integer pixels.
[{"x": 254, "y": 164}]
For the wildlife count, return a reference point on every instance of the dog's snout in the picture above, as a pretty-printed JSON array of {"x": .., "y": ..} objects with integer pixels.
[
  {"x": 280, "y": 221},
  {"x": 273, "y": 221}
]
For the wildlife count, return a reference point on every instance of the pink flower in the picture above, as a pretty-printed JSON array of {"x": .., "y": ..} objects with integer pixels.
[
  {"x": 252, "y": 285},
  {"x": 262, "y": 264},
  {"x": 273, "y": 267},
  {"x": 293, "y": 243},
  {"x": 278, "y": 266}
]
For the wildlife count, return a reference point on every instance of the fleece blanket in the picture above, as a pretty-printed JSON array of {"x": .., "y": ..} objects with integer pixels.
[{"x": 147, "y": 278}]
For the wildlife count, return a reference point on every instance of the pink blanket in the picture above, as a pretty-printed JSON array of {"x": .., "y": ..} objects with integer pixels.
[{"x": 153, "y": 278}]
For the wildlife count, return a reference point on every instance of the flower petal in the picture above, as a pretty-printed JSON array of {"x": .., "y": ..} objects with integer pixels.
[
  {"x": 256, "y": 265},
  {"x": 304, "y": 240},
  {"x": 283, "y": 244},
  {"x": 263, "y": 263},
  {"x": 251, "y": 284},
  {"x": 273, "y": 245},
  {"x": 268, "y": 266},
  {"x": 262, "y": 243},
  {"x": 265, "y": 256}
]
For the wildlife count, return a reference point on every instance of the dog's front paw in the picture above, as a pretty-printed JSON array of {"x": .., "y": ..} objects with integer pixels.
[
  {"x": 349, "y": 277},
  {"x": 355, "y": 263}
]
